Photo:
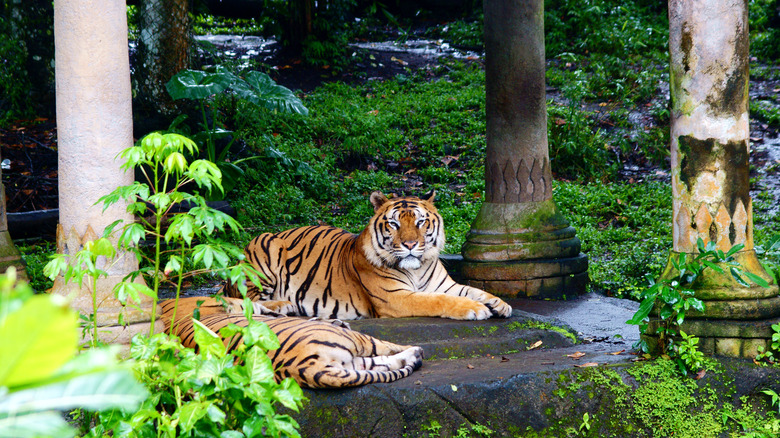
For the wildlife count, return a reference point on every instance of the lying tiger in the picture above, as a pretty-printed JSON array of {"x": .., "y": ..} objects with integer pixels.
[
  {"x": 391, "y": 269},
  {"x": 317, "y": 354}
]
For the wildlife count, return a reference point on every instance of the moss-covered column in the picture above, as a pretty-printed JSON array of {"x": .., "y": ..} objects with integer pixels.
[
  {"x": 94, "y": 123},
  {"x": 708, "y": 44},
  {"x": 9, "y": 254},
  {"x": 519, "y": 244}
]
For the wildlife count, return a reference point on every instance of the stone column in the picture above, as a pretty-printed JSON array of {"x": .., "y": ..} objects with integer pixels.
[
  {"x": 9, "y": 254},
  {"x": 94, "y": 123},
  {"x": 519, "y": 244},
  {"x": 708, "y": 44}
]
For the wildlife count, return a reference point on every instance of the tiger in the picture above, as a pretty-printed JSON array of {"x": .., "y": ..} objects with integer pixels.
[
  {"x": 315, "y": 353},
  {"x": 391, "y": 269}
]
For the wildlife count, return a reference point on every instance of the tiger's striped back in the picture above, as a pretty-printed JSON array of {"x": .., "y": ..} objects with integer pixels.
[{"x": 316, "y": 354}]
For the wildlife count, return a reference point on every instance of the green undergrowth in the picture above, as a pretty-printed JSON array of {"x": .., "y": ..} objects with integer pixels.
[{"x": 653, "y": 400}]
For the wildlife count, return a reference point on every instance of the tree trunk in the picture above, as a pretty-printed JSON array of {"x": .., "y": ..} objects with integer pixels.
[{"x": 163, "y": 50}]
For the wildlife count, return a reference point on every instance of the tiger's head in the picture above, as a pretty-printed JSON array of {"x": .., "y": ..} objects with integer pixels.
[{"x": 404, "y": 233}]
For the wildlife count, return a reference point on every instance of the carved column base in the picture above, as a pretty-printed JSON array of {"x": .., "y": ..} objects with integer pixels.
[
  {"x": 10, "y": 256},
  {"x": 723, "y": 337},
  {"x": 524, "y": 250},
  {"x": 553, "y": 279},
  {"x": 724, "y": 298}
]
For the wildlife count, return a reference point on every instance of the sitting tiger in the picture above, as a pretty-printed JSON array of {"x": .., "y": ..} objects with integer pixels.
[
  {"x": 317, "y": 354},
  {"x": 391, "y": 269}
]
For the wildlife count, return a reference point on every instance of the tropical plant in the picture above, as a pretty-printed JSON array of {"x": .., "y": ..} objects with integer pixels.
[
  {"x": 218, "y": 392},
  {"x": 41, "y": 373},
  {"x": 255, "y": 88},
  {"x": 669, "y": 299},
  {"x": 178, "y": 238}
]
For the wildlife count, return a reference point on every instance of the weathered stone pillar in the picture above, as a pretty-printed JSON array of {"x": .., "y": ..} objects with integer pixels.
[
  {"x": 9, "y": 254},
  {"x": 708, "y": 44},
  {"x": 94, "y": 123},
  {"x": 519, "y": 244}
]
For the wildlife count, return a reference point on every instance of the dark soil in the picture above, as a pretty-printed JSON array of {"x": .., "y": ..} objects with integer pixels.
[{"x": 29, "y": 161}]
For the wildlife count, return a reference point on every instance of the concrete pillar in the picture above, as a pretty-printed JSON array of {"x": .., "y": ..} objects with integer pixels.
[
  {"x": 519, "y": 244},
  {"x": 94, "y": 123},
  {"x": 708, "y": 44},
  {"x": 9, "y": 254}
]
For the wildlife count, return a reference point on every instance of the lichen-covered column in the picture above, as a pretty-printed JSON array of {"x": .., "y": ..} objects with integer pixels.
[
  {"x": 519, "y": 244},
  {"x": 708, "y": 44},
  {"x": 94, "y": 123}
]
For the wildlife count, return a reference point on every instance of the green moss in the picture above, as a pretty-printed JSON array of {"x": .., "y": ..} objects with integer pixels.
[
  {"x": 533, "y": 324},
  {"x": 652, "y": 399}
]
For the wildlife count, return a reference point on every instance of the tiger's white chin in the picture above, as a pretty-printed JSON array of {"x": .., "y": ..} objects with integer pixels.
[{"x": 409, "y": 263}]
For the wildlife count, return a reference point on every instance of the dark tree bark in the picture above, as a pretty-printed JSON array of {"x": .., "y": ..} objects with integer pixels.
[{"x": 163, "y": 50}]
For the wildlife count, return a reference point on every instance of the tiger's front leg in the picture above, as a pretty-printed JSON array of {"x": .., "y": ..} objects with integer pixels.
[
  {"x": 407, "y": 303},
  {"x": 497, "y": 306}
]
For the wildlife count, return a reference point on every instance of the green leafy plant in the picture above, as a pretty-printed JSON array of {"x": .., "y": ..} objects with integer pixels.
[
  {"x": 178, "y": 238},
  {"x": 218, "y": 392},
  {"x": 671, "y": 298},
  {"x": 41, "y": 373},
  {"x": 89, "y": 262},
  {"x": 768, "y": 355},
  {"x": 256, "y": 88},
  {"x": 585, "y": 425}
]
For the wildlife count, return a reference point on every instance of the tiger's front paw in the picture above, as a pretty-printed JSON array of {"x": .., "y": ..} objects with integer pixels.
[
  {"x": 499, "y": 308},
  {"x": 470, "y": 310},
  {"x": 273, "y": 308}
]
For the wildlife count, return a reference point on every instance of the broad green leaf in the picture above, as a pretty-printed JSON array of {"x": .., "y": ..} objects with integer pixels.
[
  {"x": 735, "y": 249},
  {"x": 258, "y": 333},
  {"x": 209, "y": 342},
  {"x": 258, "y": 366},
  {"x": 189, "y": 414},
  {"x": 735, "y": 273},
  {"x": 286, "y": 425},
  {"x": 231, "y": 434},
  {"x": 175, "y": 163},
  {"x": 289, "y": 394},
  {"x": 261, "y": 90},
  {"x": 215, "y": 414},
  {"x": 196, "y": 84},
  {"x": 37, "y": 340},
  {"x": 95, "y": 391},
  {"x": 131, "y": 235},
  {"x": 39, "y": 424},
  {"x": 55, "y": 266},
  {"x": 182, "y": 226},
  {"x": 643, "y": 312},
  {"x": 756, "y": 279}
]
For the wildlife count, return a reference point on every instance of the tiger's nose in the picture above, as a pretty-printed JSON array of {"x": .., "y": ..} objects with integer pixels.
[{"x": 410, "y": 244}]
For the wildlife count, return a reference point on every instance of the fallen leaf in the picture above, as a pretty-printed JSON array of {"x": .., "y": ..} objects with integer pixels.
[
  {"x": 576, "y": 355},
  {"x": 400, "y": 61},
  {"x": 700, "y": 374},
  {"x": 548, "y": 363},
  {"x": 373, "y": 112},
  {"x": 617, "y": 352},
  {"x": 454, "y": 388},
  {"x": 536, "y": 344},
  {"x": 417, "y": 382},
  {"x": 560, "y": 122},
  {"x": 587, "y": 364},
  {"x": 470, "y": 366},
  {"x": 504, "y": 359}
]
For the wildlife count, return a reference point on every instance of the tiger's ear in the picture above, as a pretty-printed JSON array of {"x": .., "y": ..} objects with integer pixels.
[
  {"x": 378, "y": 199},
  {"x": 429, "y": 196}
]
